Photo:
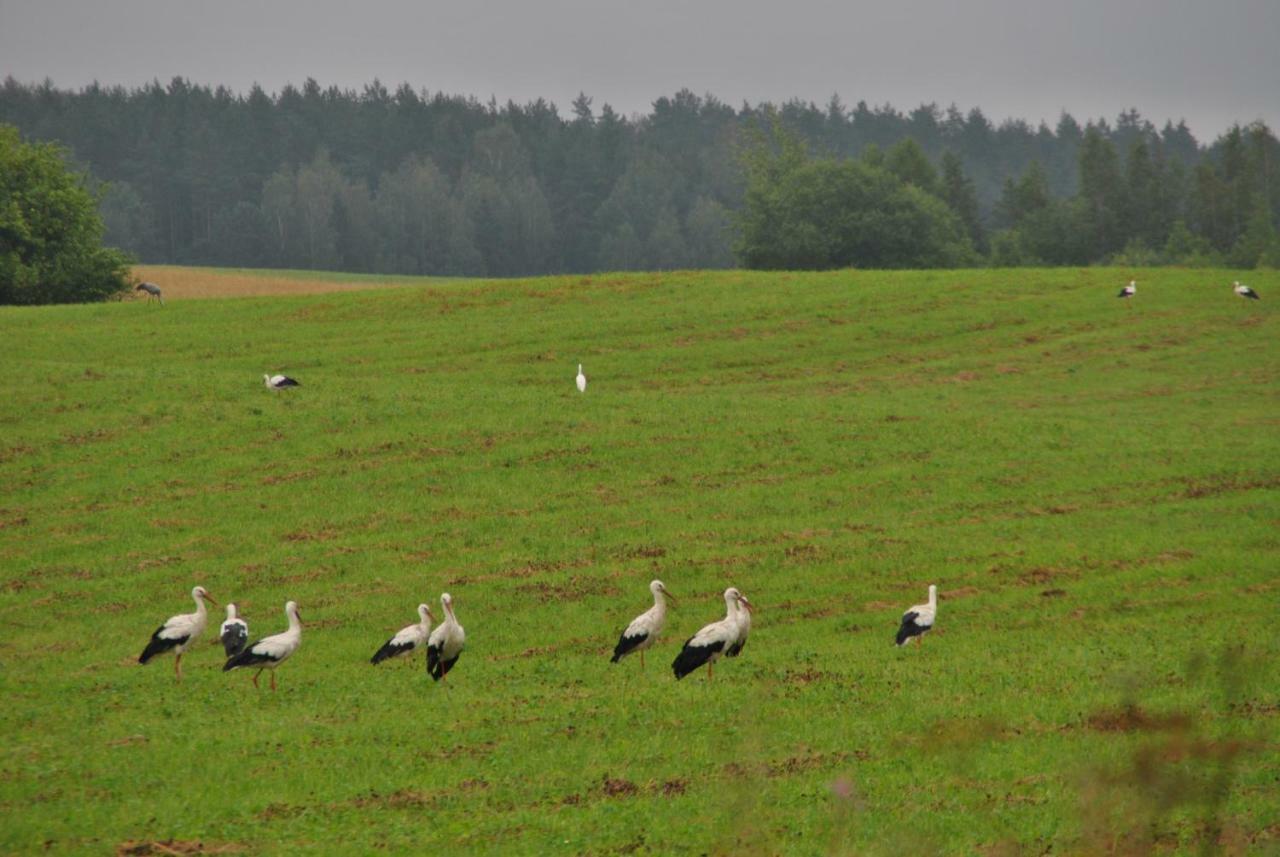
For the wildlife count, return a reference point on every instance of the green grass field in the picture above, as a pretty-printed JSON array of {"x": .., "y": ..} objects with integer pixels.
[{"x": 1092, "y": 485}]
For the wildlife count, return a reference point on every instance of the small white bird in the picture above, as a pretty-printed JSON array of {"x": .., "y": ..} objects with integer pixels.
[
  {"x": 234, "y": 632},
  {"x": 279, "y": 382},
  {"x": 743, "y": 616},
  {"x": 445, "y": 643},
  {"x": 1246, "y": 292},
  {"x": 270, "y": 652},
  {"x": 1129, "y": 290},
  {"x": 919, "y": 619},
  {"x": 706, "y": 646},
  {"x": 581, "y": 380},
  {"x": 407, "y": 638},
  {"x": 645, "y": 628},
  {"x": 179, "y": 632}
]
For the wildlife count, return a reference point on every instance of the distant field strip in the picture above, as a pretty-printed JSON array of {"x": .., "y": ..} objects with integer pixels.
[{"x": 181, "y": 283}]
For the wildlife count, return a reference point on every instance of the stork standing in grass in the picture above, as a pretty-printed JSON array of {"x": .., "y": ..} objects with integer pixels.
[
  {"x": 706, "y": 646},
  {"x": 270, "y": 652},
  {"x": 645, "y": 628},
  {"x": 743, "y": 616},
  {"x": 581, "y": 380},
  {"x": 919, "y": 619},
  {"x": 1129, "y": 290},
  {"x": 279, "y": 382},
  {"x": 1245, "y": 292},
  {"x": 234, "y": 632},
  {"x": 407, "y": 639},
  {"x": 152, "y": 290},
  {"x": 179, "y": 632},
  {"x": 445, "y": 643}
]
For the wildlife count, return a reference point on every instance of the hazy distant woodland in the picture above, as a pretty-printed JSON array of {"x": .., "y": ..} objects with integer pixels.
[{"x": 411, "y": 182}]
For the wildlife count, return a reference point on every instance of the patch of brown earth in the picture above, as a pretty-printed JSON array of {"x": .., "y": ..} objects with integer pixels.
[
  {"x": 321, "y": 535},
  {"x": 174, "y": 846},
  {"x": 617, "y": 787},
  {"x": 1132, "y": 718}
]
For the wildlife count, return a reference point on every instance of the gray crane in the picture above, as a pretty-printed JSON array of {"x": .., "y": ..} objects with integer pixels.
[{"x": 152, "y": 290}]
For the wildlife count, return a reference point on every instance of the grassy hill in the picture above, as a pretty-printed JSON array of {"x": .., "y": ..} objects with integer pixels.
[{"x": 1092, "y": 485}]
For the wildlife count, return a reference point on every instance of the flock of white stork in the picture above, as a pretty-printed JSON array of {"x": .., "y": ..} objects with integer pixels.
[
  {"x": 723, "y": 638},
  {"x": 1237, "y": 287},
  {"x": 444, "y": 643}
]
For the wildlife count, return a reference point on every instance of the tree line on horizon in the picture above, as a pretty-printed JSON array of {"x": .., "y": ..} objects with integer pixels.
[{"x": 411, "y": 182}]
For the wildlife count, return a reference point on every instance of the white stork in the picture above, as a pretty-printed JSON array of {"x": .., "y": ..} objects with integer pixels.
[
  {"x": 645, "y": 628},
  {"x": 581, "y": 380},
  {"x": 234, "y": 632},
  {"x": 706, "y": 646},
  {"x": 270, "y": 652},
  {"x": 743, "y": 617},
  {"x": 179, "y": 632},
  {"x": 445, "y": 643},
  {"x": 1246, "y": 292},
  {"x": 1129, "y": 290},
  {"x": 152, "y": 290},
  {"x": 407, "y": 638},
  {"x": 279, "y": 382},
  {"x": 919, "y": 619}
]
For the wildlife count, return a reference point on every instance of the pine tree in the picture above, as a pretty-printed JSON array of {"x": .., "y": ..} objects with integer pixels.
[
  {"x": 957, "y": 191},
  {"x": 1101, "y": 194}
]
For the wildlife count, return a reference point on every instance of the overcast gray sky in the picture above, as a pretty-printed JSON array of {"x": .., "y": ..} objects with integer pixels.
[{"x": 1211, "y": 63}]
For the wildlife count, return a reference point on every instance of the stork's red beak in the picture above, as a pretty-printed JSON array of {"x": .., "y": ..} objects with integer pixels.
[
  {"x": 209, "y": 598},
  {"x": 746, "y": 604}
]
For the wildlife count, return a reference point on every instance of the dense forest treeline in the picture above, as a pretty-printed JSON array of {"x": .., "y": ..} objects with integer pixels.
[{"x": 412, "y": 182}]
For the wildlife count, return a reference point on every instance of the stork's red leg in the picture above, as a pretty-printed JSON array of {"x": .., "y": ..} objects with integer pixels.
[
  {"x": 255, "y": 677},
  {"x": 273, "y": 681}
]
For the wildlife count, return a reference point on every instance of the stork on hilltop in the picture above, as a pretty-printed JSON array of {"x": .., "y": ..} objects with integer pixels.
[
  {"x": 444, "y": 646},
  {"x": 234, "y": 632},
  {"x": 918, "y": 620},
  {"x": 711, "y": 641},
  {"x": 407, "y": 639},
  {"x": 270, "y": 652},
  {"x": 179, "y": 632},
  {"x": 279, "y": 382},
  {"x": 645, "y": 628},
  {"x": 1245, "y": 292}
]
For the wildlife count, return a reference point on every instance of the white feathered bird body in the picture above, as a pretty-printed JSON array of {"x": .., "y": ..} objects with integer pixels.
[
  {"x": 270, "y": 652},
  {"x": 407, "y": 639},
  {"x": 643, "y": 631},
  {"x": 446, "y": 642}
]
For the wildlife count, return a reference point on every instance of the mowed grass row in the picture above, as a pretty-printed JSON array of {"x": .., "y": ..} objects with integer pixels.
[{"x": 1092, "y": 485}]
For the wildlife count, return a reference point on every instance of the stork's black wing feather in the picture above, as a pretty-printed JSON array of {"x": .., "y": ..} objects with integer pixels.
[
  {"x": 247, "y": 657},
  {"x": 692, "y": 657},
  {"x": 909, "y": 628},
  {"x": 390, "y": 649},
  {"x": 626, "y": 645},
  {"x": 437, "y": 668},
  {"x": 159, "y": 645}
]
